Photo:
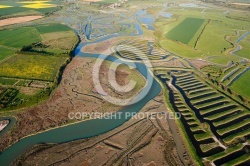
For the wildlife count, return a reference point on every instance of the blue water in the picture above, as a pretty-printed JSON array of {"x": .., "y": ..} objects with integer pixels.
[
  {"x": 167, "y": 15},
  {"x": 146, "y": 19},
  {"x": 243, "y": 37},
  {"x": 150, "y": 48},
  {"x": 188, "y": 5},
  {"x": 141, "y": 12},
  {"x": 88, "y": 29},
  {"x": 12, "y": 121}
]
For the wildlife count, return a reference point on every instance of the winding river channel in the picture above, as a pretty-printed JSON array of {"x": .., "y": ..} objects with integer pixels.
[{"x": 89, "y": 128}]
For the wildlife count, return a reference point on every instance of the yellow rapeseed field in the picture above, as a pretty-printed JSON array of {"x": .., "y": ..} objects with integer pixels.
[
  {"x": 37, "y": 4},
  {"x": 4, "y": 6},
  {"x": 32, "y": 66},
  {"x": 33, "y": 2}
]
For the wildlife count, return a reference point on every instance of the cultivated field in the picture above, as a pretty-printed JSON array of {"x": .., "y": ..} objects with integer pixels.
[
  {"x": 24, "y": 8},
  {"x": 32, "y": 57},
  {"x": 185, "y": 31},
  {"x": 17, "y": 38},
  {"x": 39, "y": 67},
  {"x": 16, "y": 20}
]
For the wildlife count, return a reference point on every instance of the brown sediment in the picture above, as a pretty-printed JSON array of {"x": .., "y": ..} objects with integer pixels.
[
  {"x": 105, "y": 47},
  {"x": 3, "y": 124},
  {"x": 241, "y": 4},
  {"x": 199, "y": 63}
]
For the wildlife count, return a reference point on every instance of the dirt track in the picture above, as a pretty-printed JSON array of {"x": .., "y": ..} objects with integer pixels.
[{"x": 17, "y": 20}]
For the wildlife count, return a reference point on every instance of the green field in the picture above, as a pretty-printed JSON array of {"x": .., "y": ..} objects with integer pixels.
[
  {"x": 18, "y": 38},
  {"x": 185, "y": 31},
  {"x": 4, "y": 52},
  {"x": 49, "y": 28},
  {"x": 56, "y": 37},
  {"x": 241, "y": 85}
]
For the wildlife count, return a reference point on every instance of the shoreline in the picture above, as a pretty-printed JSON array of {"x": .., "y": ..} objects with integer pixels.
[{"x": 4, "y": 124}]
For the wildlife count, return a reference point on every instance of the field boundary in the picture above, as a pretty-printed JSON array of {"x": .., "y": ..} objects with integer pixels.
[{"x": 201, "y": 34}]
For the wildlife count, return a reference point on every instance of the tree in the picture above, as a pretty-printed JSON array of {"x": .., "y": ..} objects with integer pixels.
[
  {"x": 208, "y": 75},
  {"x": 242, "y": 99},
  {"x": 222, "y": 87}
]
